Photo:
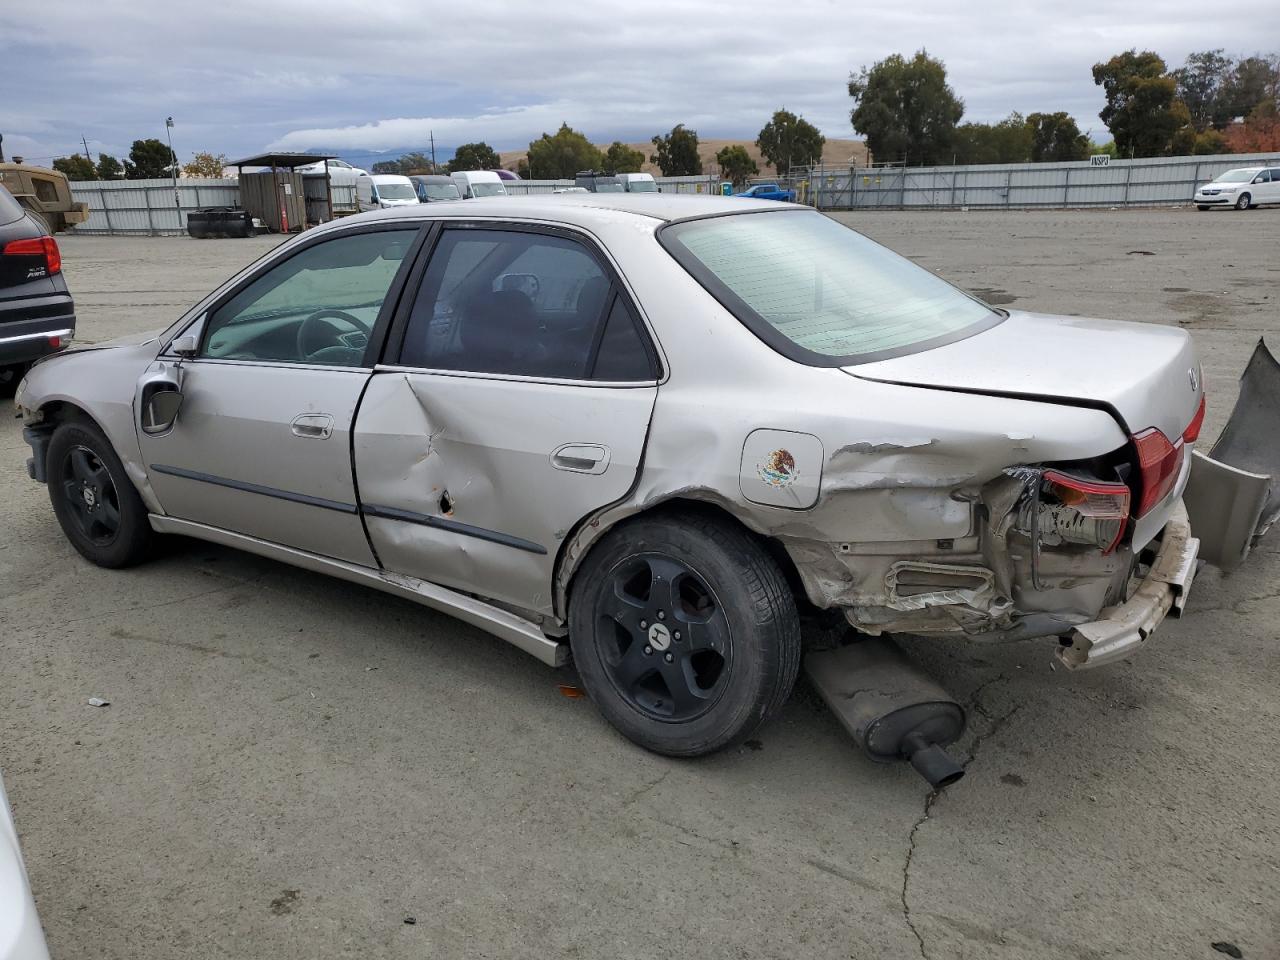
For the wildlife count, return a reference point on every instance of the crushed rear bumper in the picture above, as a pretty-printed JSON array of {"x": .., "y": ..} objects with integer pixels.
[{"x": 1120, "y": 630}]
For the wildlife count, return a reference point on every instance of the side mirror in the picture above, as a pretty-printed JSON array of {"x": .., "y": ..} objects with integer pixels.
[
  {"x": 160, "y": 408},
  {"x": 185, "y": 345}
]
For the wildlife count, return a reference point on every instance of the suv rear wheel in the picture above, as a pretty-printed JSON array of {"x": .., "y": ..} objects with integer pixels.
[{"x": 685, "y": 633}]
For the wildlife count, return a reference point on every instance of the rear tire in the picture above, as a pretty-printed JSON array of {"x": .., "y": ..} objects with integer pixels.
[
  {"x": 716, "y": 616},
  {"x": 93, "y": 498},
  {"x": 1244, "y": 201}
]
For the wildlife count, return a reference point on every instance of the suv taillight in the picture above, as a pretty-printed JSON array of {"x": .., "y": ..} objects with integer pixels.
[
  {"x": 1158, "y": 464},
  {"x": 45, "y": 247}
]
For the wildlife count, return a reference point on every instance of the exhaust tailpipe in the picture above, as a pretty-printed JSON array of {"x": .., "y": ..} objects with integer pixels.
[{"x": 891, "y": 708}]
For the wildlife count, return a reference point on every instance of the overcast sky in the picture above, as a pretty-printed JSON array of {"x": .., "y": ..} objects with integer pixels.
[{"x": 241, "y": 76}]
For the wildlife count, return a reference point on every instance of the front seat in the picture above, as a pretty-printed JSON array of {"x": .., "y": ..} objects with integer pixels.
[{"x": 499, "y": 333}]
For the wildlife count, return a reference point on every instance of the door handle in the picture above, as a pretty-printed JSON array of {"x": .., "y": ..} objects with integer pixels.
[
  {"x": 315, "y": 426},
  {"x": 581, "y": 457}
]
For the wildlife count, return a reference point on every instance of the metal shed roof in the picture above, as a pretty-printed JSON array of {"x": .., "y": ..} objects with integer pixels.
[{"x": 281, "y": 160}]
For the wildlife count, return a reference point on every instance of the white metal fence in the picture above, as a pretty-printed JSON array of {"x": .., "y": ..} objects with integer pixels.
[
  {"x": 704, "y": 183},
  {"x": 149, "y": 208},
  {"x": 1120, "y": 183}
]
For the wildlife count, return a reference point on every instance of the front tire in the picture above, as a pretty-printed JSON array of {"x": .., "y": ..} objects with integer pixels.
[
  {"x": 93, "y": 498},
  {"x": 1202, "y": 206},
  {"x": 685, "y": 633},
  {"x": 1243, "y": 201}
]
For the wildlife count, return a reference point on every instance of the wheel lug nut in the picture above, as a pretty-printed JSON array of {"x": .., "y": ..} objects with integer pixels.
[
  {"x": 668, "y": 657},
  {"x": 648, "y": 650},
  {"x": 644, "y": 624},
  {"x": 662, "y": 615},
  {"x": 676, "y": 634}
]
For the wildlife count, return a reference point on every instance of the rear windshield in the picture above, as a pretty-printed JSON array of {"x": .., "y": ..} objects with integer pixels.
[
  {"x": 10, "y": 209},
  {"x": 819, "y": 292}
]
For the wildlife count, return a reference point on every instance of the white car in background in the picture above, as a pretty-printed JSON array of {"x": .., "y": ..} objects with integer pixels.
[
  {"x": 20, "y": 935},
  {"x": 1241, "y": 188},
  {"x": 339, "y": 171},
  {"x": 384, "y": 190}
]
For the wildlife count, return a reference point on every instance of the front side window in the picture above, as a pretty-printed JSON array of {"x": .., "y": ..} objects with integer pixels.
[
  {"x": 319, "y": 306},
  {"x": 819, "y": 292},
  {"x": 512, "y": 302}
]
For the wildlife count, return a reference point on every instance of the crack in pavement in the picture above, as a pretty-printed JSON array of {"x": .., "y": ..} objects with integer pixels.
[{"x": 994, "y": 726}]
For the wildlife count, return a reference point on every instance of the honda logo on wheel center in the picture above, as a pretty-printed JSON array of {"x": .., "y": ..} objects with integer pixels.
[{"x": 659, "y": 637}]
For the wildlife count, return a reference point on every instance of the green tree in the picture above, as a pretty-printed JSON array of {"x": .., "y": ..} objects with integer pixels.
[
  {"x": 149, "y": 160},
  {"x": 1008, "y": 141},
  {"x": 736, "y": 164},
  {"x": 205, "y": 164},
  {"x": 1210, "y": 142},
  {"x": 1055, "y": 136},
  {"x": 385, "y": 166},
  {"x": 1253, "y": 82},
  {"x": 562, "y": 156},
  {"x": 75, "y": 167},
  {"x": 1201, "y": 82},
  {"x": 416, "y": 162},
  {"x": 1143, "y": 111},
  {"x": 905, "y": 109},
  {"x": 676, "y": 154},
  {"x": 620, "y": 158},
  {"x": 787, "y": 141},
  {"x": 474, "y": 156},
  {"x": 109, "y": 167}
]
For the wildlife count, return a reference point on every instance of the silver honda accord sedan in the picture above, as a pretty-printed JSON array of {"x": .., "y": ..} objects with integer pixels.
[{"x": 655, "y": 433}]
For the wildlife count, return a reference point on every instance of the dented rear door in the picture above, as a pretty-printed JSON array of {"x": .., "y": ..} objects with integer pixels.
[{"x": 472, "y": 478}]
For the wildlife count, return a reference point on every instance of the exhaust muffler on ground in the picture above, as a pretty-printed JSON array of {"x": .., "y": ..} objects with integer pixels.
[{"x": 893, "y": 709}]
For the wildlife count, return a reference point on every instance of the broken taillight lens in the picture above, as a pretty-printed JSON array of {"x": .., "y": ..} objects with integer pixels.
[
  {"x": 1095, "y": 499},
  {"x": 1192, "y": 433},
  {"x": 1159, "y": 463}
]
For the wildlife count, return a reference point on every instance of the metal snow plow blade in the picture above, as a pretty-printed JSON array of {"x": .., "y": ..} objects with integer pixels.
[{"x": 1233, "y": 496}]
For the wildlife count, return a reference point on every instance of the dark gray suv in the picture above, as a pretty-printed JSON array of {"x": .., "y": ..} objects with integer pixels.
[{"x": 37, "y": 315}]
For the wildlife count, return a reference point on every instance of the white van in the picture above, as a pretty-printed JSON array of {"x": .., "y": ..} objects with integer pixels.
[
  {"x": 638, "y": 182},
  {"x": 479, "y": 183},
  {"x": 384, "y": 190}
]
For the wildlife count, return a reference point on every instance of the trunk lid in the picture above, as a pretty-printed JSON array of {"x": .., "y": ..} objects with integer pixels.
[{"x": 1147, "y": 375}]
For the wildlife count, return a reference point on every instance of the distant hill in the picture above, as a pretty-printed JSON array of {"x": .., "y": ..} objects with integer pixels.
[{"x": 834, "y": 153}]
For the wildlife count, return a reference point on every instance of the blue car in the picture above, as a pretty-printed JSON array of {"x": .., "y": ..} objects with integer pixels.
[{"x": 768, "y": 191}]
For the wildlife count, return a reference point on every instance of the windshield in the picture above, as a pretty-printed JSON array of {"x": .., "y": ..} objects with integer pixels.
[
  {"x": 642, "y": 186},
  {"x": 1236, "y": 176},
  {"x": 397, "y": 191},
  {"x": 442, "y": 191},
  {"x": 488, "y": 190},
  {"x": 820, "y": 293},
  {"x": 609, "y": 188}
]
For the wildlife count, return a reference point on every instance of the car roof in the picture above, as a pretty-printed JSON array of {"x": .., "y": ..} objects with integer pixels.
[
  {"x": 388, "y": 177},
  {"x": 586, "y": 209}
]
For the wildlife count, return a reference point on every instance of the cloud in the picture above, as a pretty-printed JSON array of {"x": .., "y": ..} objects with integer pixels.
[{"x": 240, "y": 75}]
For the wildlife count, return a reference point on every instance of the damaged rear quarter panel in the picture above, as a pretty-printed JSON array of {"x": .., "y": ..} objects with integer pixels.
[{"x": 903, "y": 466}]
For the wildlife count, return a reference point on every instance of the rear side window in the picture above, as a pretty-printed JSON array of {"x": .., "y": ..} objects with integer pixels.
[
  {"x": 10, "y": 209},
  {"x": 820, "y": 293},
  {"x": 523, "y": 304}
]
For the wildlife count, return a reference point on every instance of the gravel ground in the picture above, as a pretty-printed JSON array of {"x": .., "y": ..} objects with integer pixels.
[{"x": 295, "y": 767}]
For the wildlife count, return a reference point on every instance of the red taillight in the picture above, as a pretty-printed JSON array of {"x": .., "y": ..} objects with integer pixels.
[
  {"x": 46, "y": 247},
  {"x": 1158, "y": 464},
  {"x": 1192, "y": 433}
]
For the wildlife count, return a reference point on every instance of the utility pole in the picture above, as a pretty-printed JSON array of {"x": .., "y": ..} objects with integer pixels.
[
  {"x": 173, "y": 169},
  {"x": 432, "y": 133},
  {"x": 86, "y": 148}
]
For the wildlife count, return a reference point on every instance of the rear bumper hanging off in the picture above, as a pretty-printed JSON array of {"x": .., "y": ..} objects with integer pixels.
[{"x": 1122, "y": 629}]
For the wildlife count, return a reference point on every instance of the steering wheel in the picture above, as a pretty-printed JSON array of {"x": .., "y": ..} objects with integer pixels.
[{"x": 314, "y": 324}]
